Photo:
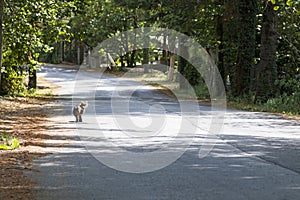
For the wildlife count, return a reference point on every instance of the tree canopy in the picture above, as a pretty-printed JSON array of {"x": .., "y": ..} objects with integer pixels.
[{"x": 255, "y": 44}]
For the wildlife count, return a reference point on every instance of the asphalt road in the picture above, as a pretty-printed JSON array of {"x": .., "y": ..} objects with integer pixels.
[{"x": 142, "y": 152}]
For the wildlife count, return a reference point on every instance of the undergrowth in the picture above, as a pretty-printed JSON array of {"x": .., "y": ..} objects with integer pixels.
[{"x": 285, "y": 104}]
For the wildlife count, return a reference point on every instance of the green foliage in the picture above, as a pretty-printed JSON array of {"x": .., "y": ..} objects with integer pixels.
[
  {"x": 8, "y": 143},
  {"x": 228, "y": 28},
  {"x": 286, "y": 104},
  {"x": 14, "y": 81},
  {"x": 288, "y": 86},
  {"x": 281, "y": 104},
  {"x": 201, "y": 91},
  {"x": 192, "y": 75},
  {"x": 27, "y": 28}
]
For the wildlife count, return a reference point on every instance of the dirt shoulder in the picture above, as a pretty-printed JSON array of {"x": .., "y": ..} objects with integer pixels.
[{"x": 28, "y": 120}]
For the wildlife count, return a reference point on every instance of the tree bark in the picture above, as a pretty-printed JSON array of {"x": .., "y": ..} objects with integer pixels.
[
  {"x": 246, "y": 46},
  {"x": 132, "y": 59},
  {"x": 220, "y": 63},
  {"x": 182, "y": 63},
  {"x": 230, "y": 41},
  {"x": 122, "y": 62},
  {"x": 32, "y": 83},
  {"x": 1, "y": 37},
  {"x": 171, "y": 67},
  {"x": 220, "y": 38},
  {"x": 163, "y": 60},
  {"x": 145, "y": 60},
  {"x": 78, "y": 53},
  {"x": 267, "y": 68}
]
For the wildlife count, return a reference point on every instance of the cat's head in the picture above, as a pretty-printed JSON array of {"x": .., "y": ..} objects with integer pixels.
[{"x": 83, "y": 104}]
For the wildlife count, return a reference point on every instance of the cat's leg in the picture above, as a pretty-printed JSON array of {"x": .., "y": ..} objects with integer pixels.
[
  {"x": 77, "y": 119},
  {"x": 80, "y": 118}
]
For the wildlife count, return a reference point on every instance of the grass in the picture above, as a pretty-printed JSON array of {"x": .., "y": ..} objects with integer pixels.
[{"x": 286, "y": 106}]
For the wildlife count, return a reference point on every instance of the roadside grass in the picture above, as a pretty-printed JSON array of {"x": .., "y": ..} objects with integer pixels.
[
  {"x": 287, "y": 106},
  {"x": 43, "y": 90}
]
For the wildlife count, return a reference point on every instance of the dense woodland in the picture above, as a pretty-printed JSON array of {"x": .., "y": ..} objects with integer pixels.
[{"x": 255, "y": 43}]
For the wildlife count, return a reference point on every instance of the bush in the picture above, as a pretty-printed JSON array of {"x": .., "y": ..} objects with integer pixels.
[
  {"x": 285, "y": 103},
  {"x": 201, "y": 91},
  {"x": 12, "y": 81}
]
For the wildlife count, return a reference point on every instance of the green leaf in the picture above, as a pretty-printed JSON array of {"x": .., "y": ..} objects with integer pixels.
[
  {"x": 273, "y": 1},
  {"x": 15, "y": 144},
  {"x": 4, "y": 147},
  {"x": 289, "y": 2},
  {"x": 276, "y": 7}
]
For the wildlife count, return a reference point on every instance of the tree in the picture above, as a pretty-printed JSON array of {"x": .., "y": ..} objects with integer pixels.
[
  {"x": 28, "y": 26},
  {"x": 1, "y": 37},
  {"x": 244, "y": 68},
  {"x": 267, "y": 67},
  {"x": 288, "y": 51}
]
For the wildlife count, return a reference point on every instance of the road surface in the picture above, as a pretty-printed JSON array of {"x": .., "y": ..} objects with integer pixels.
[{"x": 255, "y": 156}]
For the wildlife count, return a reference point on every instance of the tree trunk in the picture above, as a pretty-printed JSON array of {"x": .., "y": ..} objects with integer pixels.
[
  {"x": 163, "y": 60},
  {"x": 132, "y": 59},
  {"x": 32, "y": 83},
  {"x": 230, "y": 41},
  {"x": 182, "y": 63},
  {"x": 62, "y": 43},
  {"x": 128, "y": 60},
  {"x": 171, "y": 67},
  {"x": 78, "y": 53},
  {"x": 1, "y": 37},
  {"x": 246, "y": 46},
  {"x": 89, "y": 57},
  {"x": 122, "y": 62},
  {"x": 267, "y": 68},
  {"x": 145, "y": 60},
  {"x": 220, "y": 63},
  {"x": 220, "y": 37}
]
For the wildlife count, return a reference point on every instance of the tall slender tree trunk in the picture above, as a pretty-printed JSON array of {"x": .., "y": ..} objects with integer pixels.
[
  {"x": 182, "y": 63},
  {"x": 230, "y": 41},
  {"x": 163, "y": 60},
  {"x": 171, "y": 67},
  {"x": 246, "y": 46},
  {"x": 146, "y": 57},
  {"x": 133, "y": 53},
  {"x": 122, "y": 62},
  {"x": 267, "y": 68},
  {"x": 1, "y": 37},
  {"x": 220, "y": 37},
  {"x": 132, "y": 59},
  {"x": 32, "y": 82},
  {"x": 78, "y": 53}
]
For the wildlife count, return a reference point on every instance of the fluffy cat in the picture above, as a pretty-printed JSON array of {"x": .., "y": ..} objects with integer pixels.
[{"x": 78, "y": 110}]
